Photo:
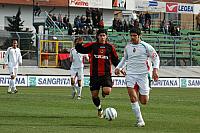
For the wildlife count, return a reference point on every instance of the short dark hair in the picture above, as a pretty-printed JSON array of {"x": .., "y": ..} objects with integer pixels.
[
  {"x": 102, "y": 31},
  {"x": 136, "y": 30}
]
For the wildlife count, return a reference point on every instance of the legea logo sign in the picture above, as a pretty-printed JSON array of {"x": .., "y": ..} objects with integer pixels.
[{"x": 172, "y": 7}]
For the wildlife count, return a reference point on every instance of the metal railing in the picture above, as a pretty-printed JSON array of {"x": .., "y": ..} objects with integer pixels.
[{"x": 173, "y": 50}]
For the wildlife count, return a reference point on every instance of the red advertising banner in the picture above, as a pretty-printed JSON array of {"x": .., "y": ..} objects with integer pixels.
[{"x": 172, "y": 7}]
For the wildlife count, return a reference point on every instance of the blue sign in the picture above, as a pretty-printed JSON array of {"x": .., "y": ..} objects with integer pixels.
[
  {"x": 185, "y": 8},
  {"x": 153, "y": 3}
]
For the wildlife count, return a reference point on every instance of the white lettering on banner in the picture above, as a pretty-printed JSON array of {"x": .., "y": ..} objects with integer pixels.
[
  {"x": 185, "y": 8},
  {"x": 163, "y": 82},
  {"x": 81, "y": 3},
  {"x": 119, "y": 81},
  {"x": 53, "y": 81},
  {"x": 193, "y": 83},
  {"x": 20, "y": 80}
]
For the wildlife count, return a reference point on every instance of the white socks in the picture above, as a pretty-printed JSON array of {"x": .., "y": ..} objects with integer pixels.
[
  {"x": 12, "y": 85},
  {"x": 136, "y": 109},
  {"x": 79, "y": 91}
]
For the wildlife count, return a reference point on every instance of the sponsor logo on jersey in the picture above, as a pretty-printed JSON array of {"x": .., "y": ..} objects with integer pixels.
[
  {"x": 134, "y": 49},
  {"x": 101, "y": 56}
]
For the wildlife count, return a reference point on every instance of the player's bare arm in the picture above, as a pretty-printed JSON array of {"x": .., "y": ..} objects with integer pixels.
[{"x": 155, "y": 74}]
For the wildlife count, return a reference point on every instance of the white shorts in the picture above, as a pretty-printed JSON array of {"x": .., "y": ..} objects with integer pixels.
[
  {"x": 141, "y": 80},
  {"x": 13, "y": 71},
  {"x": 76, "y": 72}
]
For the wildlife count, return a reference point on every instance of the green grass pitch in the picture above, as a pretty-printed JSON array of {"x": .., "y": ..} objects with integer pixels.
[{"x": 51, "y": 110}]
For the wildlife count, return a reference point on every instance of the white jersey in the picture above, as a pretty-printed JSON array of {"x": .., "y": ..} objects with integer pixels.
[
  {"x": 77, "y": 58},
  {"x": 136, "y": 58},
  {"x": 13, "y": 57}
]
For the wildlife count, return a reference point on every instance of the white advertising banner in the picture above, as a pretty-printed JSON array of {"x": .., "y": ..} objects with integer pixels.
[
  {"x": 166, "y": 82},
  {"x": 49, "y": 81},
  {"x": 91, "y": 3},
  {"x": 20, "y": 80},
  {"x": 130, "y": 4},
  {"x": 196, "y": 8},
  {"x": 190, "y": 83},
  {"x": 185, "y": 8},
  {"x": 151, "y": 6},
  {"x": 119, "y": 81},
  {"x": 2, "y": 53}
]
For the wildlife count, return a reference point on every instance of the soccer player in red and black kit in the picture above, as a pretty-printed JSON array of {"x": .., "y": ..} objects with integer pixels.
[{"x": 102, "y": 56}]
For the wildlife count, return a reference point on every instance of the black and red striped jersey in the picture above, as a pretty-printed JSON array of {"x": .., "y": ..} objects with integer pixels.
[{"x": 102, "y": 56}]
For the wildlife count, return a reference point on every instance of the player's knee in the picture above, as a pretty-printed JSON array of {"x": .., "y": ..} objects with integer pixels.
[
  {"x": 107, "y": 91},
  {"x": 144, "y": 99},
  {"x": 95, "y": 94},
  {"x": 133, "y": 99},
  {"x": 72, "y": 82},
  {"x": 143, "y": 102}
]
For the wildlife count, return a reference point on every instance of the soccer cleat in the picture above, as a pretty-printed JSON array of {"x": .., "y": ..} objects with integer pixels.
[
  {"x": 9, "y": 92},
  {"x": 100, "y": 113},
  {"x": 140, "y": 124},
  {"x": 79, "y": 97},
  {"x": 15, "y": 91}
]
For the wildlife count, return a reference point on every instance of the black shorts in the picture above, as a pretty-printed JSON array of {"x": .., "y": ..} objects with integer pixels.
[{"x": 96, "y": 82}]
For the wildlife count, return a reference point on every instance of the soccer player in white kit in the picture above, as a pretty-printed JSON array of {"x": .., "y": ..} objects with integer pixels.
[
  {"x": 136, "y": 55},
  {"x": 76, "y": 70},
  {"x": 13, "y": 59}
]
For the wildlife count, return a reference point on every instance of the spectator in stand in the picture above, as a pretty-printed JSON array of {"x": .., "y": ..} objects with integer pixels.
[
  {"x": 83, "y": 21},
  {"x": 88, "y": 12},
  {"x": 136, "y": 24},
  {"x": 177, "y": 30},
  {"x": 88, "y": 21},
  {"x": 60, "y": 21},
  {"x": 171, "y": 28},
  {"x": 198, "y": 21},
  {"x": 70, "y": 29},
  {"x": 125, "y": 26},
  {"x": 101, "y": 24},
  {"x": 54, "y": 18},
  {"x": 147, "y": 17},
  {"x": 95, "y": 22},
  {"x": 164, "y": 27},
  {"x": 94, "y": 14},
  {"x": 77, "y": 22},
  {"x": 131, "y": 23},
  {"x": 114, "y": 24},
  {"x": 90, "y": 30},
  {"x": 65, "y": 21},
  {"x": 119, "y": 26},
  {"x": 36, "y": 9},
  {"x": 99, "y": 14},
  {"x": 141, "y": 20}
]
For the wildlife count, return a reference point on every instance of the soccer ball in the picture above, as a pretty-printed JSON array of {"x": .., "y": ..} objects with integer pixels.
[{"x": 110, "y": 114}]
